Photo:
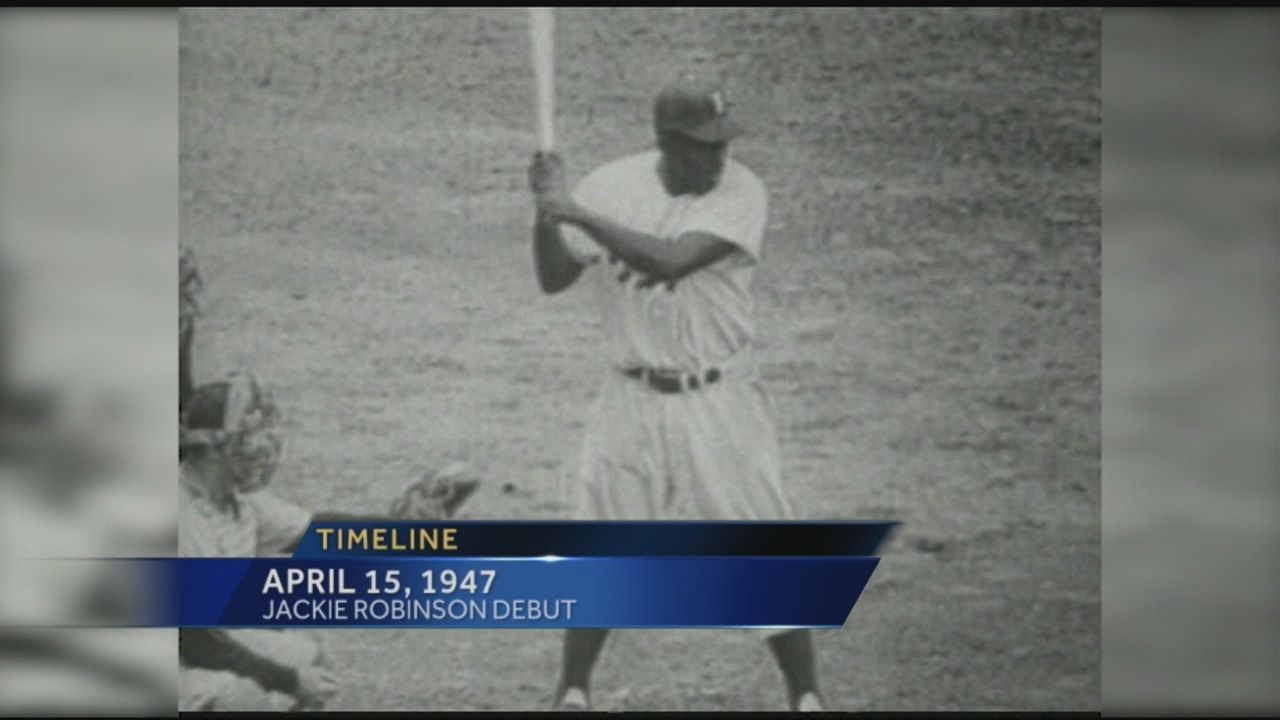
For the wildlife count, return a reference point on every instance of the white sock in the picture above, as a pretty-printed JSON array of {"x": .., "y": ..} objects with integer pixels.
[
  {"x": 809, "y": 702},
  {"x": 574, "y": 698}
]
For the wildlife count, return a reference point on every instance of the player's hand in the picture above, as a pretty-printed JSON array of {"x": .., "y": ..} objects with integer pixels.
[
  {"x": 546, "y": 173},
  {"x": 546, "y": 179},
  {"x": 316, "y": 685}
]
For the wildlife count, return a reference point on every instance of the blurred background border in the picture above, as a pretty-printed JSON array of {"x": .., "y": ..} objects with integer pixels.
[
  {"x": 88, "y": 302},
  {"x": 1191, "y": 405}
]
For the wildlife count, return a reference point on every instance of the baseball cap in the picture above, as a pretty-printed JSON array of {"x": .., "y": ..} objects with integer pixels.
[{"x": 694, "y": 106}]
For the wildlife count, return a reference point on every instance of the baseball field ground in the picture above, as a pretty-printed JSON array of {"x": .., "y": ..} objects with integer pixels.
[{"x": 353, "y": 183}]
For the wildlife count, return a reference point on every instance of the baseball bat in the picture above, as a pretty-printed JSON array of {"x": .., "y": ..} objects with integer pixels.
[{"x": 542, "y": 25}]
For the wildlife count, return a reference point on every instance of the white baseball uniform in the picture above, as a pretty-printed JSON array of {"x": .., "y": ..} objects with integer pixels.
[
  {"x": 262, "y": 524},
  {"x": 707, "y": 453}
]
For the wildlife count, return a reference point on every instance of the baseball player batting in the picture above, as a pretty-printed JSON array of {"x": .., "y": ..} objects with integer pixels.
[{"x": 670, "y": 238}]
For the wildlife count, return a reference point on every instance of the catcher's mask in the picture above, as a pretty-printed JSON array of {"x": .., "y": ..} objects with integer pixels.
[{"x": 237, "y": 419}]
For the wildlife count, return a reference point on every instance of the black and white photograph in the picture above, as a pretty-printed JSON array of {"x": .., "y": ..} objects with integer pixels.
[{"x": 652, "y": 264}]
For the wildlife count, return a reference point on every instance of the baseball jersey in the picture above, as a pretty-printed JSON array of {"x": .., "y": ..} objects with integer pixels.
[
  {"x": 264, "y": 525},
  {"x": 702, "y": 320}
]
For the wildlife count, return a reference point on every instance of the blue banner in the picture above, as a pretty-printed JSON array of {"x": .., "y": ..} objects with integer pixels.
[
  {"x": 520, "y": 575},
  {"x": 631, "y": 592}
]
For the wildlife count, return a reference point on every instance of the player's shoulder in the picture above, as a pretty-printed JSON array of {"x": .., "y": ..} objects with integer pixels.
[
  {"x": 742, "y": 181},
  {"x": 260, "y": 505}
]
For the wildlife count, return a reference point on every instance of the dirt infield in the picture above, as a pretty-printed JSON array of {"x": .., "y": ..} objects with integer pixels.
[{"x": 354, "y": 185}]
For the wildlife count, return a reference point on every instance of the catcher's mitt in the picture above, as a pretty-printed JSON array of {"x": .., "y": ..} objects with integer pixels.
[{"x": 438, "y": 495}]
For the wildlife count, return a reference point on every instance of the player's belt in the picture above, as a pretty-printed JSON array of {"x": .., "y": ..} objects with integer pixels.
[{"x": 672, "y": 381}]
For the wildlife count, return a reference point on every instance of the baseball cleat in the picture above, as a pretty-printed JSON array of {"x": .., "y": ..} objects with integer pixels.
[
  {"x": 810, "y": 702},
  {"x": 573, "y": 700}
]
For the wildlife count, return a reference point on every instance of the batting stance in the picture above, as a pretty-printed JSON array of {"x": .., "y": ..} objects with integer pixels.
[{"x": 682, "y": 427}]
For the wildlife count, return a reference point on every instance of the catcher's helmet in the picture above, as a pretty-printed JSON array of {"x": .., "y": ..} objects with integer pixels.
[{"x": 237, "y": 418}]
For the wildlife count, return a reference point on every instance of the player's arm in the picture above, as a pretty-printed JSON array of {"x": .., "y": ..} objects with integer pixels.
[
  {"x": 282, "y": 525},
  {"x": 216, "y": 649},
  {"x": 435, "y": 497},
  {"x": 645, "y": 253},
  {"x": 557, "y": 268},
  {"x": 290, "y": 542}
]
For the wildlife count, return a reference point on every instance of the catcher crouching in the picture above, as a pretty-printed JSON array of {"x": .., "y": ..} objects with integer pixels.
[{"x": 229, "y": 446}]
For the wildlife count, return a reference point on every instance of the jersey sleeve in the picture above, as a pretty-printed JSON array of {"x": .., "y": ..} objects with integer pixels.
[
  {"x": 592, "y": 193},
  {"x": 736, "y": 212},
  {"x": 280, "y": 522}
]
